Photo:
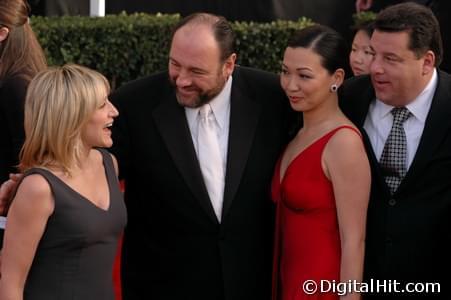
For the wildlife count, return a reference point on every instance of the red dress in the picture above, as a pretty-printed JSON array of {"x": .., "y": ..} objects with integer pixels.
[{"x": 307, "y": 239}]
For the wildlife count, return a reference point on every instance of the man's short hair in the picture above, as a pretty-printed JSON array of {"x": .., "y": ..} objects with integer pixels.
[
  {"x": 222, "y": 30},
  {"x": 419, "y": 22}
]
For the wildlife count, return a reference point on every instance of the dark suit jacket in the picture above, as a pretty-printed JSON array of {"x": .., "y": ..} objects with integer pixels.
[
  {"x": 409, "y": 234},
  {"x": 174, "y": 247},
  {"x": 12, "y": 98}
]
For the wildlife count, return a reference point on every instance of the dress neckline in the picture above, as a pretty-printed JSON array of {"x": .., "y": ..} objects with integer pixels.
[
  {"x": 296, "y": 157},
  {"x": 73, "y": 191}
]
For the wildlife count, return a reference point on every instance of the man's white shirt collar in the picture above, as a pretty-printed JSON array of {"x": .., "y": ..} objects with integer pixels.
[
  {"x": 419, "y": 107},
  {"x": 219, "y": 105}
]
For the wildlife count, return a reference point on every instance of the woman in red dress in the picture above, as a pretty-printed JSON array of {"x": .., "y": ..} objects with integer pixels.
[{"x": 322, "y": 181}]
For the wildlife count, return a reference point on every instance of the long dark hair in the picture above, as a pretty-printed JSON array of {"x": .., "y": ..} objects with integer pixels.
[{"x": 20, "y": 53}]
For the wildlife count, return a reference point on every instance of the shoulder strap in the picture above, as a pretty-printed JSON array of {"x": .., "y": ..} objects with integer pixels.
[
  {"x": 108, "y": 163},
  {"x": 347, "y": 127}
]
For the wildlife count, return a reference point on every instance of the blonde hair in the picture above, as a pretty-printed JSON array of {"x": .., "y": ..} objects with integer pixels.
[{"x": 60, "y": 100}]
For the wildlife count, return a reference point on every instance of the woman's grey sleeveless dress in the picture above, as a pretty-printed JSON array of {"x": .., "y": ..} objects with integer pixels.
[{"x": 75, "y": 257}]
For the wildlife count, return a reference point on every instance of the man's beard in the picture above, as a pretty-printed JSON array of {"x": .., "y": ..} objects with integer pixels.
[{"x": 204, "y": 97}]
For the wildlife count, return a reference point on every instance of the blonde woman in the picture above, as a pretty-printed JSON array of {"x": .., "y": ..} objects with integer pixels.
[{"x": 67, "y": 215}]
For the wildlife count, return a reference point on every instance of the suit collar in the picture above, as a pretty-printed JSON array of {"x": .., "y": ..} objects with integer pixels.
[
  {"x": 244, "y": 114},
  {"x": 170, "y": 119},
  {"x": 220, "y": 105},
  {"x": 435, "y": 129},
  {"x": 419, "y": 107}
]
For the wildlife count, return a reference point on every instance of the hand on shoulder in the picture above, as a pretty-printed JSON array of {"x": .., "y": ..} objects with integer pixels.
[{"x": 7, "y": 191}]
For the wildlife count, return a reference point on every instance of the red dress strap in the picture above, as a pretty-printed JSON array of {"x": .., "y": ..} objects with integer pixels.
[{"x": 333, "y": 131}]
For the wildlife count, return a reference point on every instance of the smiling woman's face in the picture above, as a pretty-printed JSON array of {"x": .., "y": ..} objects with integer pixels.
[{"x": 304, "y": 79}]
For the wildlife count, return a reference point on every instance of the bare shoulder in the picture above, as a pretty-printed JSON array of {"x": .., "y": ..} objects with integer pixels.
[
  {"x": 345, "y": 145},
  {"x": 346, "y": 138},
  {"x": 35, "y": 184},
  {"x": 345, "y": 158},
  {"x": 34, "y": 192}
]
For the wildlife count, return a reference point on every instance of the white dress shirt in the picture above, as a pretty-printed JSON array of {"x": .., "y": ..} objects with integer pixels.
[
  {"x": 379, "y": 121},
  {"x": 220, "y": 106}
]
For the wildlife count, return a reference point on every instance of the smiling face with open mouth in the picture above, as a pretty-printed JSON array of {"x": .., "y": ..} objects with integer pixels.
[
  {"x": 195, "y": 67},
  {"x": 97, "y": 131}
]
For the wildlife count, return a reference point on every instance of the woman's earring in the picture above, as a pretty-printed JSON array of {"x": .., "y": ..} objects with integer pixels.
[{"x": 333, "y": 88}]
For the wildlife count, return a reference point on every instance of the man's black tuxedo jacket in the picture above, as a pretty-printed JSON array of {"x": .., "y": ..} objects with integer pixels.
[
  {"x": 409, "y": 233},
  {"x": 174, "y": 247}
]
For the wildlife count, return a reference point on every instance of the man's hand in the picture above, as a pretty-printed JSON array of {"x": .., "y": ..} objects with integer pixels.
[
  {"x": 363, "y": 5},
  {"x": 6, "y": 191}
]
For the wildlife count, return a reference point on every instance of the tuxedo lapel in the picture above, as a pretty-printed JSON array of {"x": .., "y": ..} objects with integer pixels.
[
  {"x": 171, "y": 121},
  {"x": 244, "y": 115},
  {"x": 433, "y": 133}
]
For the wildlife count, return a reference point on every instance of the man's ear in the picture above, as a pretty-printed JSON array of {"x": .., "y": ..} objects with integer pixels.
[
  {"x": 229, "y": 65},
  {"x": 428, "y": 62},
  {"x": 4, "y": 31}
]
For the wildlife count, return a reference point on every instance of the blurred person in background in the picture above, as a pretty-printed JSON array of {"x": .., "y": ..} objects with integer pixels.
[
  {"x": 361, "y": 55},
  {"x": 51, "y": 8},
  {"x": 21, "y": 57}
]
